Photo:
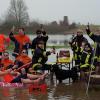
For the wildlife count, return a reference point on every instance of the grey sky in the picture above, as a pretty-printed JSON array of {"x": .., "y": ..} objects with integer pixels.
[{"x": 48, "y": 10}]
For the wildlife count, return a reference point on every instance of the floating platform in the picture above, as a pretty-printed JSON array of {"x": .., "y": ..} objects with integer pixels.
[{"x": 95, "y": 79}]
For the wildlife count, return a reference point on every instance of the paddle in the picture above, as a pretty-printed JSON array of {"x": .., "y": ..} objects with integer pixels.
[{"x": 24, "y": 66}]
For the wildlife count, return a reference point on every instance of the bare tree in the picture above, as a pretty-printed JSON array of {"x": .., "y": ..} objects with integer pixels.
[{"x": 18, "y": 12}]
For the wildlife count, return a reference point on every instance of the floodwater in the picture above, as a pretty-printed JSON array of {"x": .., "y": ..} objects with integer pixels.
[
  {"x": 55, "y": 91},
  {"x": 56, "y": 40}
]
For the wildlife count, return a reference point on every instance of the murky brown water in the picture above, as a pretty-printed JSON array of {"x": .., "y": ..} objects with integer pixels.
[{"x": 64, "y": 91}]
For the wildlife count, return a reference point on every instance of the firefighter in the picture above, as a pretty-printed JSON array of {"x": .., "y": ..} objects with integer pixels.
[
  {"x": 96, "y": 39},
  {"x": 86, "y": 59},
  {"x": 40, "y": 57},
  {"x": 76, "y": 45},
  {"x": 41, "y": 36},
  {"x": 79, "y": 38}
]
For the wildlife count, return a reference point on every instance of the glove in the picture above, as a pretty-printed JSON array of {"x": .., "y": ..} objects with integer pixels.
[
  {"x": 26, "y": 46},
  {"x": 11, "y": 34},
  {"x": 44, "y": 32},
  {"x": 88, "y": 30},
  {"x": 32, "y": 51}
]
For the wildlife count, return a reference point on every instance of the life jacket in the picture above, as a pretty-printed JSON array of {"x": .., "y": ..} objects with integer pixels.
[
  {"x": 3, "y": 40},
  {"x": 22, "y": 40},
  {"x": 24, "y": 59},
  {"x": 8, "y": 40},
  {"x": 6, "y": 63}
]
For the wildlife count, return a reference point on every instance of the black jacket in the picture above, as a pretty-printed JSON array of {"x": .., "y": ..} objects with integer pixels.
[
  {"x": 40, "y": 56},
  {"x": 37, "y": 39},
  {"x": 86, "y": 57},
  {"x": 96, "y": 39},
  {"x": 79, "y": 40}
]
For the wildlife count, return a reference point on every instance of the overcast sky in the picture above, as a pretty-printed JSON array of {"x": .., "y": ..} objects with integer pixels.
[{"x": 48, "y": 10}]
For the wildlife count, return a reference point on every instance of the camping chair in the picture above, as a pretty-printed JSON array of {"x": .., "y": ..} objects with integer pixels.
[{"x": 64, "y": 59}]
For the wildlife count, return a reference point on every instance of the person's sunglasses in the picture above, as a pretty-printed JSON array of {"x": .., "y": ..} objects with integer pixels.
[{"x": 24, "y": 52}]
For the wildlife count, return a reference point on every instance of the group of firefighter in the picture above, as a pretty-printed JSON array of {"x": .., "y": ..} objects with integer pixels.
[{"x": 86, "y": 55}]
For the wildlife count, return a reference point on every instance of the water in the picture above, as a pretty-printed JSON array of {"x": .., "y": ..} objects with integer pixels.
[
  {"x": 55, "y": 40},
  {"x": 75, "y": 91}
]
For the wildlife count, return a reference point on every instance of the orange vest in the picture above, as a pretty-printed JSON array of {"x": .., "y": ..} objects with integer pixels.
[
  {"x": 6, "y": 63},
  {"x": 22, "y": 39},
  {"x": 3, "y": 41},
  {"x": 24, "y": 59}
]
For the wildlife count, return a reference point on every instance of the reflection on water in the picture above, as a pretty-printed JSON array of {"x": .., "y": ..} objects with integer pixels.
[{"x": 75, "y": 91}]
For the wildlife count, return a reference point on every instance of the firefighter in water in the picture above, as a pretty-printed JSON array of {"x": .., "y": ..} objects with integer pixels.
[
  {"x": 39, "y": 58},
  {"x": 96, "y": 39},
  {"x": 86, "y": 59},
  {"x": 41, "y": 36},
  {"x": 76, "y": 45},
  {"x": 21, "y": 41}
]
